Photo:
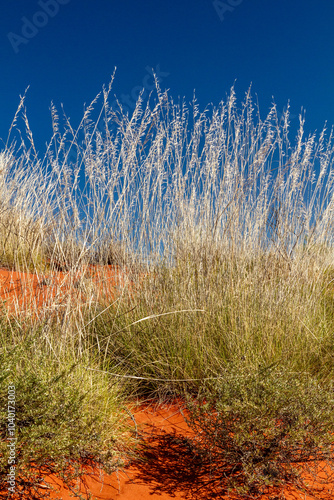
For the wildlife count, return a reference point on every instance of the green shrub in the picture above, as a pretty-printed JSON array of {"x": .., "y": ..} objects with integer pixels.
[
  {"x": 65, "y": 417},
  {"x": 262, "y": 428}
]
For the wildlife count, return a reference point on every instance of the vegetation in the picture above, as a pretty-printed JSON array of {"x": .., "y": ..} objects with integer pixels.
[
  {"x": 66, "y": 417},
  {"x": 224, "y": 231}
]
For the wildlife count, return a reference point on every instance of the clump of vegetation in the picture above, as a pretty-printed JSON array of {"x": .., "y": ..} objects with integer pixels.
[
  {"x": 223, "y": 230},
  {"x": 22, "y": 229},
  {"x": 65, "y": 416},
  {"x": 262, "y": 428}
]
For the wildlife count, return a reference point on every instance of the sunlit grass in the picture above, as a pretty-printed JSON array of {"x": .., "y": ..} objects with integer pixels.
[{"x": 223, "y": 230}]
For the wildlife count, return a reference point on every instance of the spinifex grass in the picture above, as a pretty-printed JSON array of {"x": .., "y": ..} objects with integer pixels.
[
  {"x": 22, "y": 222},
  {"x": 225, "y": 232},
  {"x": 186, "y": 324}
]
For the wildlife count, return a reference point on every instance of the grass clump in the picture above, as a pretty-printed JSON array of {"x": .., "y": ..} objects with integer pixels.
[
  {"x": 22, "y": 228},
  {"x": 185, "y": 325},
  {"x": 66, "y": 417}
]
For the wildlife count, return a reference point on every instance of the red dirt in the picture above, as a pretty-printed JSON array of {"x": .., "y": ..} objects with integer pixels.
[
  {"x": 136, "y": 482},
  {"x": 27, "y": 293},
  {"x": 170, "y": 470}
]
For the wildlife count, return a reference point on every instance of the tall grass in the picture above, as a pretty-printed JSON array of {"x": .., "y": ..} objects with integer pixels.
[{"x": 224, "y": 226}]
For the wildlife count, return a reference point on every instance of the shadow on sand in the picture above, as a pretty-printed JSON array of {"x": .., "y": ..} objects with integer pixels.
[{"x": 174, "y": 464}]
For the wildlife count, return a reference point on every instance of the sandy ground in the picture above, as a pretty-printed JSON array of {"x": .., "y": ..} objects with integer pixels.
[
  {"x": 31, "y": 294},
  {"x": 169, "y": 471}
]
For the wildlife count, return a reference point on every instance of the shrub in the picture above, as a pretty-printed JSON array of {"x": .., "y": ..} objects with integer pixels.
[
  {"x": 65, "y": 417},
  {"x": 262, "y": 428}
]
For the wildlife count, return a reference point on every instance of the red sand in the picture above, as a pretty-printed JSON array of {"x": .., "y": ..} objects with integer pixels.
[
  {"x": 23, "y": 292},
  {"x": 170, "y": 471},
  {"x": 135, "y": 483}
]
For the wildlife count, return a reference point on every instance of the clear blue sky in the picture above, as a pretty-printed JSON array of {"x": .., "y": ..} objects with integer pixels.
[{"x": 67, "y": 49}]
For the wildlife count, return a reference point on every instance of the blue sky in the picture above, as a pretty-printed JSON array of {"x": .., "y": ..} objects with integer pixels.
[{"x": 67, "y": 49}]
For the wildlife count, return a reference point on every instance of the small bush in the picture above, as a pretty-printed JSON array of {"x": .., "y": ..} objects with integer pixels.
[
  {"x": 65, "y": 416},
  {"x": 262, "y": 428}
]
